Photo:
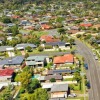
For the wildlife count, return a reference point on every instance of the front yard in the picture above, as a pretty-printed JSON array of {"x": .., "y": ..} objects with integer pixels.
[{"x": 78, "y": 98}]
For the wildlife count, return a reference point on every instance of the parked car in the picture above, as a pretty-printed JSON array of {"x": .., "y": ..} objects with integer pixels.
[
  {"x": 72, "y": 95},
  {"x": 88, "y": 85},
  {"x": 94, "y": 54},
  {"x": 96, "y": 58},
  {"x": 86, "y": 66}
]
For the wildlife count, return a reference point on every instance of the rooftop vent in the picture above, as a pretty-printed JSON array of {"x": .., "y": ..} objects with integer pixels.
[{"x": 9, "y": 61}]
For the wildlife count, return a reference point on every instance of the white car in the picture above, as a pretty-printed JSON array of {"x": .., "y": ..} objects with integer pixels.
[
  {"x": 72, "y": 95},
  {"x": 96, "y": 58},
  {"x": 94, "y": 54}
]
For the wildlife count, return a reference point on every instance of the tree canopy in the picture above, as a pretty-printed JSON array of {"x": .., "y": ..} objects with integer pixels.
[
  {"x": 24, "y": 77},
  {"x": 40, "y": 94},
  {"x": 34, "y": 84}
]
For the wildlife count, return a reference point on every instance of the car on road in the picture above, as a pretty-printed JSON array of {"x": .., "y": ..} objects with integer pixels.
[
  {"x": 88, "y": 85},
  {"x": 86, "y": 66}
]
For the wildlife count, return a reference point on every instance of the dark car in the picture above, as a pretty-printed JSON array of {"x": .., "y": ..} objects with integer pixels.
[
  {"x": 88, "y": 85},
  {"x": 86, "y": 66}
]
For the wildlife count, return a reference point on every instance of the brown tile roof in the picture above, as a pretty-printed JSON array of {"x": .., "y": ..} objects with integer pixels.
[
  {"x": 63, "y": 59},
  {"x": 48, "y": 38}
]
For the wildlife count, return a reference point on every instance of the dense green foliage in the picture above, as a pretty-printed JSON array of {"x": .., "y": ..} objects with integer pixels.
[{"x": 40, "y": 94}]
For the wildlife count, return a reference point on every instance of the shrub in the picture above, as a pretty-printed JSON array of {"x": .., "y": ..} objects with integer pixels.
[
  {"x": 22, "y": 90},
  {"x": 78, "y": 35},
  {"x": 48, "y": 47},
  {"x": 52, "y": 80},
  {"x": 26, "y": 55},
  {"x": 28, "y": 48},
  {"x": 40, "y": 48}
]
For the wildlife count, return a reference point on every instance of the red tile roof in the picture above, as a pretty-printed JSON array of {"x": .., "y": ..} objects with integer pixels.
[
  {"x": 15, "y": 16},
  {"x": 6, "y": 72},
  {"x": 86, "y": 24},
  {"x": 48, "y": 38},
  {"x": 45, "y": 26},
  {"x": 63, "y": 59},
  {"x": 73, "y": 31}
]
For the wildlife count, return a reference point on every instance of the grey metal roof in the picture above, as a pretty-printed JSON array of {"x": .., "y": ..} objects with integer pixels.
[
  {"x": 24, "y": 45},
  {"x": 57, "y": 77},
  {"x": 12, "y": 61},
  {"x": 59, "y": 87},
  {"x": 59, "y": 71},
  {"x": 30, "y": 63},
  {"x": 36, "y": 58},
  {"x": 98, "y": 41},
  {"x": 60, "y": 43},
  {"x": 4, "y": 48},
  {"x": 57, "y": 99}
]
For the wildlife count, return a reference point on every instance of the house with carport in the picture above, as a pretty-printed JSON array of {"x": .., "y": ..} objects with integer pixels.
[
  {"x": 13, "y": 62},
  {"x": 6, "y": 48},
  {"x": 63, "y": 60},
  {"x": 37, "y": 61},
  {"x": 59, "y": 91},
  {"x": 6, "y": 75},
  {"x": 22, "y": 46}
]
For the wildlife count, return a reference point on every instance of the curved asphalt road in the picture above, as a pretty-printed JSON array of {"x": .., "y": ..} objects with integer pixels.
[{"x": 93, "y": 72}]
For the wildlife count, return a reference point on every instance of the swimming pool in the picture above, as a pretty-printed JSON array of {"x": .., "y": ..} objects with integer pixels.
[{"x": 36, "y": 76}]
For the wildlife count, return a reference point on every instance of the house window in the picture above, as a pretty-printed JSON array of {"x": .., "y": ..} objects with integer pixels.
[
  {"x": 8, "y": 79},
  {"x": 39, "y": 65},
  {"x": 38, "y": 61}
]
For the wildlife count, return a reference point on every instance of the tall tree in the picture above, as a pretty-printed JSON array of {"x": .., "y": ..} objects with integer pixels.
[
  {"x": 40, "y": 94},
  {"x": 24, "y": 77},
  {"x": 33, "y": 85}
]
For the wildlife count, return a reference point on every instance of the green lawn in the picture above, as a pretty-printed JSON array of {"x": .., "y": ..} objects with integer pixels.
[
  {"x": 39, "y": 33},
  {"x": 68, "y": 79},
  {"x": 78, "y": 98},
  {"x": 18, "y": 53},
  {"x": 35, "y": 51}
]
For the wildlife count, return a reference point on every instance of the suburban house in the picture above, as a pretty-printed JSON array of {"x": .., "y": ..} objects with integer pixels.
[
  {"x": 96, "y": 26},
  {"x": 86, "y": 25},
  {"x": 24, "y": 45},
  {"x": 28, "y": 27},
  {"x": 74, "y": 28},
  {"x": 25, "y": 23},
  {"x": 58, "y": 99},
  {"x": 59, "y": 91},
  {"x": 6, "y": 74},
  {"x": 13, "y": 62},
  {"x": 6, "y": 48},
  {"x": 98, "y": 42},
  {"x": 45, "y": 26},
  {"x": 48, "y": 38},
  {"x": 60, "y": 71},
  {"x": 62, "y": 60},
  {"x": 24, "y": 33},
  {"x": 47, "y": 78},
  {"x": 73, "y": 31},
  {"x": 37, "y": 61},
  {"x": 61, "y": 45},
  {"x": 15, "y": 16}
]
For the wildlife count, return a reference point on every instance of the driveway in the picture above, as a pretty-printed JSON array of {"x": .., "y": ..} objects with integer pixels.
[
  {"x": 22, "y": 52},
  {"x": 11, "y": 54}
]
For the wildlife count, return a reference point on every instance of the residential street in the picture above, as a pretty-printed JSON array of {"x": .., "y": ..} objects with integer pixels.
[{"x": 93, "y": 70}]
